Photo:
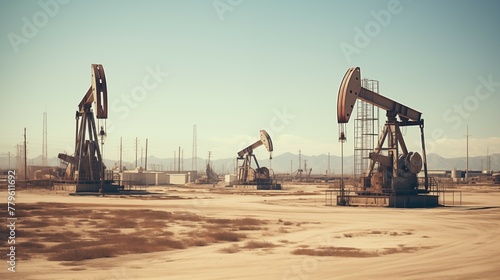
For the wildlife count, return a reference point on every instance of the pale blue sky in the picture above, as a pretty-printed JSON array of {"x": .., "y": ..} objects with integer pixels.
[{"x": 232, "y": 73}]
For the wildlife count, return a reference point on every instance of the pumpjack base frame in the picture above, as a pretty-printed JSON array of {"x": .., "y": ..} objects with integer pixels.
[
  {"x": 397, "y": 201},
  {"x": 95, "y": 186},
  {"x": 258, "y": 186}
]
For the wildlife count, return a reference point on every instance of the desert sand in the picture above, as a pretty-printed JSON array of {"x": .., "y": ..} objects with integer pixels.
[{"x": 215, "y": 233}]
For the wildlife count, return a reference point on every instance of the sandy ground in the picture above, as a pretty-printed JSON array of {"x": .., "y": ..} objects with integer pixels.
[{"x": 309, "y": 240}]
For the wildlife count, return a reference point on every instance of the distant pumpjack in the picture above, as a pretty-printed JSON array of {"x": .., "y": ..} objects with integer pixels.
[
  {"x": 85, "y": 166},
  {"x": 397, "y": 170},
  {"x": 261, "y": 175}
]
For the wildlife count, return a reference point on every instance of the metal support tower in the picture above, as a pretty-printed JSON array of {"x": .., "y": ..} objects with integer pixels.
[
  {"x": 44, "y": 140},
  {"x": 194, "y": 156},
  {"x": 366, "y": 127}
]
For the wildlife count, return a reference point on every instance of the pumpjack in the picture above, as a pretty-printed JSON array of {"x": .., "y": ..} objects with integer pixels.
[
  {"x": 397, "y": 168},
  {"x": 86, "y": 167},
  {"x": 260, "y": 177}
]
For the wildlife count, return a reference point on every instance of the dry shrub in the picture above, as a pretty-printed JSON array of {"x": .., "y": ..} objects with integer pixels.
[
  {"x": 196, "y": 242},
  {"x": 59, "y": 238},
  {"x": 73, "y": 245},
  {"x": 287, "y": 223},
  {"x": 69, "y": 212},
  {"x": 400, "y": 249},
  {"x": 249, "y": 228},
  {"x": 136, "y": 248},
  {"x": 141, "y": 214},
  {"x": 109, "y": 231},
  {"x": 231, "y": 249},
  {"x": 244, "y": 222},
  {"x": 106, "y": 232},
  {"x": 227, "y": 236},
  {"x": 375, "y": 232},
  {"x": 33, "y": 247},
  {"x": 99, "y": 215},
  {"x": 152, "y": 223},
  {"x": 34, "y": 223},
  {"x": 80, "y": 254},
  {"x": 248, "y": 222},
  {"x": 354, "y": 252},
  {"x": 186, "y": 216},
  {"x": 258, "y": 244},
  {"x": 66, "y": 236},
  {"x": 335, "y": 252},
  {"x": 166, "y": 233},
  {"x": 168, "y": 243},
  {"x": 121, "y": 223},
  {"x": 212, "y": 227},
  {"x": 220, "y": 221}
]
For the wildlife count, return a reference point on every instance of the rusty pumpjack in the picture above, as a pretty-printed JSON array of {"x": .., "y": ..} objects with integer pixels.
[
  {"x": 85, "y": 167},
  {"x": 397, "y": 167},
  {"x": 260, "y": 177}
]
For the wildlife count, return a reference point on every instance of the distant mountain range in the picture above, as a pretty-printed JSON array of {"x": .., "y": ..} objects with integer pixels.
[{"x": 283, "y": 163}]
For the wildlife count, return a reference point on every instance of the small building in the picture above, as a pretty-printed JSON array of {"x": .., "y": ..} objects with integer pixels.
[{"x": 156, "y": 178}]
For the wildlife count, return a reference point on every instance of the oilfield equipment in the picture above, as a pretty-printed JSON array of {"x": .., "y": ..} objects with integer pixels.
[
  {"x": 258, "y": 178},
  {"x": 392, "y": 172},
  {"x": 85, "y": 167}
]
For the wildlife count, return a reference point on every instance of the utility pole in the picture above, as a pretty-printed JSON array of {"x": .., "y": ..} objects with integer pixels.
[
  {"x": 467, "y": 160},
  {"x": 121, "y": 165},
  {"x": 146, "y": 160},
  {"x": 300, "y": 160},
  {"x": 179, "y": 161},
  {"x": 194, "y": 151},
  {"x": 136, "y": 152},
  {"x": 25, "y": 161},
  {"x": 329, "y": 164},
  {"x": 44, "y": 140},
  {"x": 488, "y": 161}
]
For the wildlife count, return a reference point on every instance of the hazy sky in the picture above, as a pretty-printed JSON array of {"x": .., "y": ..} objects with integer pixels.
[{"x": 233, "y": 67}]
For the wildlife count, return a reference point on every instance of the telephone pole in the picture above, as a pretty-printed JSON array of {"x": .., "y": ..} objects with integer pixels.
[
  {"x": 467, "y": 159},
  {"x": 136, "y": 152},
  {"x": 329, "y": 174},
  {"x": 146, "y": 160},
  {"x": 194, "y": 157},
  {"x": 44, "y": 140},
  {"x": 121, "y": 164},
  {"x": 25, "y": 161}
]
